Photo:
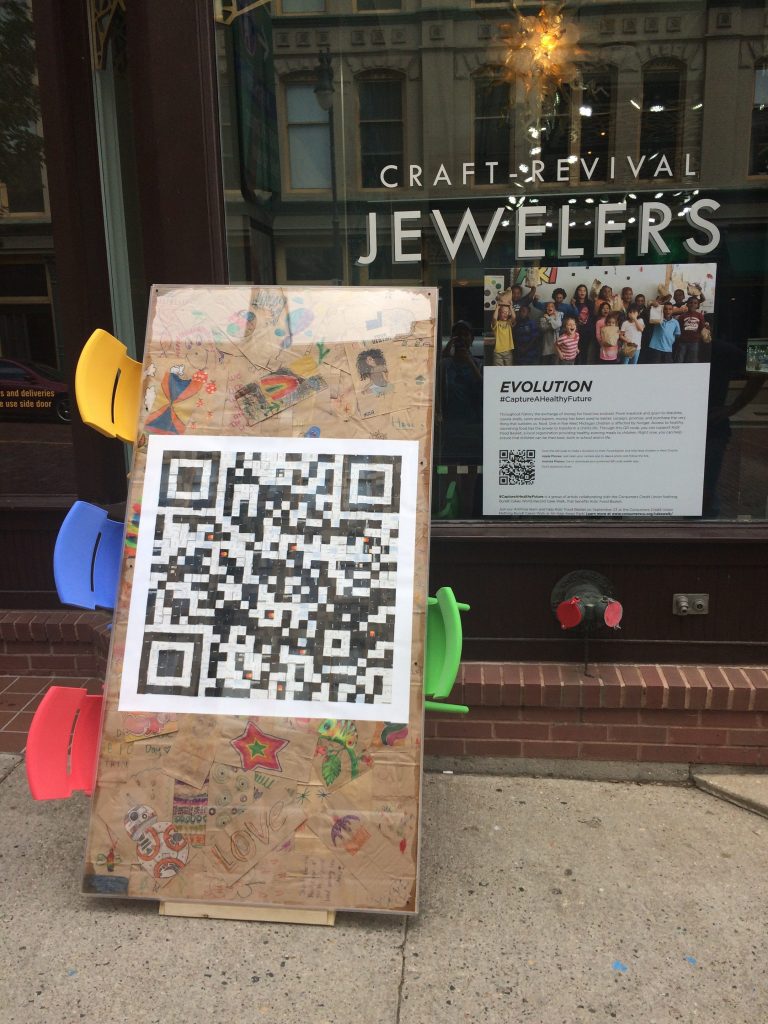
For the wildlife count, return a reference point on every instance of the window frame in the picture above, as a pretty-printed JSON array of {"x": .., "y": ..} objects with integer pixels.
[
  {"x": 665, "y": 63},
  {"x": 493, "y": 73},
  {"x": 760, "y": 65},
  {"x": 382, "y": 75},
  {"x": 301, "y": 14},
  {"x": 610, "y": 71},
  {"x": 284, "y": 140}
]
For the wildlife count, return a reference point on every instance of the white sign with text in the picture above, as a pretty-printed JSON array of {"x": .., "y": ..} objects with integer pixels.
[{"x": 594, "y": 440}]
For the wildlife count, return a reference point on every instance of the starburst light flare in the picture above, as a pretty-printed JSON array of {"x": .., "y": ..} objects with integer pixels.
[{"x": 542, "y": 46}]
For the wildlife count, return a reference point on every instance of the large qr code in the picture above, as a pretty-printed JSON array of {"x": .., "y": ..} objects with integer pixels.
[
  {"x": 517, "y": 467},
  {"x": 271, "y": 578}
]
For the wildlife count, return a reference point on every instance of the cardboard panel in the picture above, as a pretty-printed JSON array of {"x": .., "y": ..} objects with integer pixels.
[{"x": 272, "y": 608}]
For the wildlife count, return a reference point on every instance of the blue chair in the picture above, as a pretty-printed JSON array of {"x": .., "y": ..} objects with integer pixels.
[
  {"x": 443, "y": 651},
  {"x": 86, "y": 559}
]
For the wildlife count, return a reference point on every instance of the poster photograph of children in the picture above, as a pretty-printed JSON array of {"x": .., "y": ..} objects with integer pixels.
[{"x": 600, "y": 316}]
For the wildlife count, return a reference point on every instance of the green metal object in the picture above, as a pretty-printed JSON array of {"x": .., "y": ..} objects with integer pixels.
[{"x": 443, "y": 651}]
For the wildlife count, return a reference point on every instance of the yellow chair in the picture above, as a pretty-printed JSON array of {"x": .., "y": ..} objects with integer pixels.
[{"x": 108, "y": 387}]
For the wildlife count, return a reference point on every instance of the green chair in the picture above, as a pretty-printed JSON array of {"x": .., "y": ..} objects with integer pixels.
[
  {"x": 451, "y": 508},
  {"x": 443, "y": 652}
]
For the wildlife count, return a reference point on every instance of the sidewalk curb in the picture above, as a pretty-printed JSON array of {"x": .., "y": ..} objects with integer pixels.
[
  {"x": 746, "y": 789},
  {"x": 563, "y": 768}
]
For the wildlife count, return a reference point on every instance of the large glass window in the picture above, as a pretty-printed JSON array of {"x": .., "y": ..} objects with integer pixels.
[
  {"x": 555, "y": 124},
  {"x": 758, "y": 150},
  {"x": 575, "y": 155},
  {"x": 662, "y": 113},
  {"x": 596, "y": 113},
  {"x": 309, "y": 152},
  {"x": 380, "y": 101},
  {"x": 302, "y": 6},
  {"x": 22, "y": 180},
  {"x": 35, "y": 404},
  {"x": 492, "y": 127}
]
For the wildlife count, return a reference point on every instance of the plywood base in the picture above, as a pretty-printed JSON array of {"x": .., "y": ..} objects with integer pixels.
[{"x": 230, "y": 912}]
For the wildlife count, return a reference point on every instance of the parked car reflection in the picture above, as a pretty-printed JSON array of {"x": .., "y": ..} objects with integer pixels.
[{"x": 33, "y": 391}]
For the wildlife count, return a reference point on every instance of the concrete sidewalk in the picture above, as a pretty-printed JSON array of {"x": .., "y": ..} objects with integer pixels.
[{"x": 542, "y": 900}]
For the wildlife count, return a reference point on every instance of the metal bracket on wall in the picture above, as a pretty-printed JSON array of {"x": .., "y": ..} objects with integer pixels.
[{"x": 690, "y": 604}]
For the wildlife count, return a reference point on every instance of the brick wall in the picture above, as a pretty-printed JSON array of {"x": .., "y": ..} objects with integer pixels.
[
  {"x": 65, "y": 643},
  {"x": 710, "y": 714},
  {"x": 704, "y": 714}
]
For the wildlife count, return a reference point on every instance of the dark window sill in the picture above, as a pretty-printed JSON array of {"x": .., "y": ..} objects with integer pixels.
[{"x": 691, "y": 531}]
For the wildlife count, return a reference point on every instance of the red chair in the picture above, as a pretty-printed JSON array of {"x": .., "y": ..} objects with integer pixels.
[{"x": 63, "y": 743}]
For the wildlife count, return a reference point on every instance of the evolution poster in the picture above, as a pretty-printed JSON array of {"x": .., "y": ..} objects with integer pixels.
[{"x": 599, "y": 406}]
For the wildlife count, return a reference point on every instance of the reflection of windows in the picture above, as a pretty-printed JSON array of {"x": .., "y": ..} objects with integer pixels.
[
  {"x": 595, "y": 115},
  {"x": 22, "y": 184},
  {"x": 758, "y": 150},
  {"x": 492, "y": 127},
  {"x": 26, "y": 321},
  {"x": 381, "y": 127},
  {"x": 12, "y": 372},
  {"x": 302, "y": 6},
  {"x": 555, "y": 125},
  {"x": 379, "y": 5},
  {"x": 309, "y": 263},
  {"x": 383, "y": 269},
  {"x": 662, "y": 118},
  {"x": 309, "y": 147}
]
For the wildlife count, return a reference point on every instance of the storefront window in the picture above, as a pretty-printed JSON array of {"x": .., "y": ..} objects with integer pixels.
[
  {"x": 35, "y": 403},
  {"x": 514, "y": 157}
]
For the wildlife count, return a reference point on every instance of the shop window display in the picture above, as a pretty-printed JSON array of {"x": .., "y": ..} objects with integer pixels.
[
  {"x": 563, "y": 157},
  {"x": 35, "y": 408}
]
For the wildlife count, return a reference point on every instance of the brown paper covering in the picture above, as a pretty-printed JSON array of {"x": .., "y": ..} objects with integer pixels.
[{"x": 337, "y": 826}]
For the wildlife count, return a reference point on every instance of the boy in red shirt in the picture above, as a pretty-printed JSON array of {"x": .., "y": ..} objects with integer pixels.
[{"x": 691, "y": 323}]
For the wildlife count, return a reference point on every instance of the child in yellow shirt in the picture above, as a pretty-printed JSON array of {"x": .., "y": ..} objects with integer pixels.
[{"x": 502, "y": 322}]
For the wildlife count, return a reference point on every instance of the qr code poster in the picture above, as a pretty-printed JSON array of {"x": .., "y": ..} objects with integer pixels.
[{"x": 273, "y": 577}]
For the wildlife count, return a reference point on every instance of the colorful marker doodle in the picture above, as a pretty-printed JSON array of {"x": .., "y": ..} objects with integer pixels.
[
  {"x": 190, "y": 812},
  {"x": 161, "y": 849},
  {"x": 168, "y": 418},
  {"x": 111, "y": 857},
  {"x": 259, "y": 750},
  {"x": 394, "y": 733},
  {"x": 372, "y": 368},
  {"x": 275, "y": 392},
  {"x": 337, "y": 737}
]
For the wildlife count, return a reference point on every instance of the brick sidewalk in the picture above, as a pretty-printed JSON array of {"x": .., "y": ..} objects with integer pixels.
[{"x": 19, "y": 698}]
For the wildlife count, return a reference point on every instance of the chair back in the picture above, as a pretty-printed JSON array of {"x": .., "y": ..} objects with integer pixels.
[
  {"x": 108, "y": 387},
  {"x": 86, "y": 558},
  {"x": 444, "y": 642},
  {"x": 63, "y": 742}
]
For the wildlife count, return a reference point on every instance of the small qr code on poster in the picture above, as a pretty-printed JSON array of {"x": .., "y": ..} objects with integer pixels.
[{"x": 517, "y": 467}]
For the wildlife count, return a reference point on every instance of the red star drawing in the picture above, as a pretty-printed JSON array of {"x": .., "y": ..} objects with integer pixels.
[{"x": 258, "y": 750}]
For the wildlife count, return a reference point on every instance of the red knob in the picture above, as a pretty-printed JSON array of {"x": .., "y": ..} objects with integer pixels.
[
  {"x": 569, "y": 613},
  {"x": 613, "y": 613}
]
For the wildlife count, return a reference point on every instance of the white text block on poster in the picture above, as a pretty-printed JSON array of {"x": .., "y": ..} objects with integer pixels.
[{"x": 594, "y": 440}]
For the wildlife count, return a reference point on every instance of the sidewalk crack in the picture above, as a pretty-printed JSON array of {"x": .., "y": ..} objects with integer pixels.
[{"x": 402, "y": 971}]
